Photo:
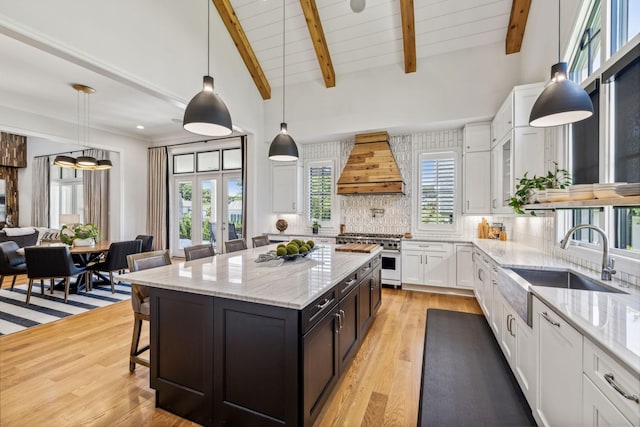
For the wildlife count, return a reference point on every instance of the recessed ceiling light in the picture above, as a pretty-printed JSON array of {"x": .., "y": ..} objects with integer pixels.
[{"x": 140, "y": 127}]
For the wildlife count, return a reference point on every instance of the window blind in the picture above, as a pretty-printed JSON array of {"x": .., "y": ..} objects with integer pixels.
[
  {"x": 320, "y": 192},
  {"x": 626, "y": 120},
  {"x": 437, "y": 191},
  {"x": 585, "y": 143}
]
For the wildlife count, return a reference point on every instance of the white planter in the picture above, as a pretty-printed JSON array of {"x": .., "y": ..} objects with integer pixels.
[{"x": 84, "y": 242}]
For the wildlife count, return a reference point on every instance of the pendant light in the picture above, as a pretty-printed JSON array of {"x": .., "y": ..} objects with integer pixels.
[
  {"x": 82, "y": 162},
  {"x": 562, "y": 101},
  {"x": 283, "y": 148},
  {"x": 206, "y": 114}
]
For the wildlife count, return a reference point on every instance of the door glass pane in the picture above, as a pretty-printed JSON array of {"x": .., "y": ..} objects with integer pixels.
[
  {"x": 79, "y": 208},
  {"x": 184, "y": 214},
  {"x": 209, "y": 208},
  {"x": 234, "y": 208},
  {"x": 506, "y": 173}
]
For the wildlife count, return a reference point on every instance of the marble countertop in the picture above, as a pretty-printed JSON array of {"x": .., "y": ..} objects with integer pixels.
[
  {"x": 290, "y": 284},
  {"x": 610, "y": 320}
]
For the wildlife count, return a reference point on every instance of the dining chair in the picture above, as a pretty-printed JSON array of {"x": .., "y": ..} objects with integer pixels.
[
  {"x": 235, "y": 245},
  {"x": 116, "y": 260},
  {"x": 51, "y": 262},
  {"x": 147, "y": 242},
  {"x": 262, "y": 240},
  {"x": 198, "y": 251},
  {"x": 11, "y": 262},
  {"x": 140, "y": 300}
]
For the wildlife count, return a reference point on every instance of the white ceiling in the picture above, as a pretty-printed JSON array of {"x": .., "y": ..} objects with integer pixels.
[{"x": 38, "y": 79}]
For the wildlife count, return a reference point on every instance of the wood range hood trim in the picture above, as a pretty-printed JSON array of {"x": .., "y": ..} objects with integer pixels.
[{"x": 371, "y": 167}]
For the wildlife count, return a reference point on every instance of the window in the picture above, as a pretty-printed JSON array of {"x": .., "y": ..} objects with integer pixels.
[
  {"x": 586, "y": 216},
  {"x": 585, "y": 143},
  {"x": 626, "y": 123},
  {"x": 320, "y": 191},
  {"x": 628, "y": 228},
  {"x": 66, "y": 194},
  {"x": 436, "y": 189},
  {"x": 625, "y": 22},
  {"x": 588, "y": 55}
]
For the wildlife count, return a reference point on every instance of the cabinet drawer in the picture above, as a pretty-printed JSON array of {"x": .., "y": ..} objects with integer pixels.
[
  {"x": 311, "y": 314},
  {"x": 330, "y": 240},
  {"x": 427, "y": 246},
  {"x": 613, "y": 380},
  {"x": 349, "y": 283}
]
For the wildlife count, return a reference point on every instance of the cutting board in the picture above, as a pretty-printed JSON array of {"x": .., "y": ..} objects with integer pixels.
[{"x": 357, "y": 247}]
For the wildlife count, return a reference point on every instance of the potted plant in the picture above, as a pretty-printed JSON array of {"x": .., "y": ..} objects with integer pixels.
[
  {"x": 525, "y": 188},
  {"x": 79, "y": 234},
  {"x": 315, "y": 226}
]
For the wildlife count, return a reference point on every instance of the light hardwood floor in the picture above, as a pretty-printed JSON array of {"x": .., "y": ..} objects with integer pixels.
[{"x": 75, "y": 371}]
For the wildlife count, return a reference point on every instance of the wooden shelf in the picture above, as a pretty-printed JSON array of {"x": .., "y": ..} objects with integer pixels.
[{"x": 593, "y": 203}]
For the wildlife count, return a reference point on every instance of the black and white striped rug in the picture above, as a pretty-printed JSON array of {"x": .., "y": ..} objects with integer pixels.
[{"x": 16, "y": 316}]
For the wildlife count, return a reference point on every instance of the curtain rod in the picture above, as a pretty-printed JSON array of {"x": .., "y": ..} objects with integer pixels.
[
  {"x": 197, "y": 142},
  {"x": 62, "y": 152}
]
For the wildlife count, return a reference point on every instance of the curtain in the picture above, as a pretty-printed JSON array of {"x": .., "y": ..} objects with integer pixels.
[
  {"x": 96, "y": 194},
  {"x": 243, "y": 147},
  {"x": 157, "y": 200},
  {"x": 40, "y": 192}
]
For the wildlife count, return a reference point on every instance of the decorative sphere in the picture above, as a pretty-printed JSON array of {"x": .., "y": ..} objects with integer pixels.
[{"x": 281, "y": 225}]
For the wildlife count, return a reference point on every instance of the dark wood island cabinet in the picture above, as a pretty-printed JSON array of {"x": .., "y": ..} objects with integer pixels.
[{"x": 225, "y": 361}]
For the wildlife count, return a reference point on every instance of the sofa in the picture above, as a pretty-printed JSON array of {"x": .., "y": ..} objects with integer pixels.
[{"x": 23, "y": 236}]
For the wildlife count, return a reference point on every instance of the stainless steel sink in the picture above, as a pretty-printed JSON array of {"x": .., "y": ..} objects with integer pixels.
[
  {"x": 515, "y": 283},
  {"x": 562, "y": 279}
]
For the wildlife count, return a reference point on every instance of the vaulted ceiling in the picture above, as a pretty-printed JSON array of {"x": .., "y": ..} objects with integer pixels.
[{"x": 325, "y": 39}]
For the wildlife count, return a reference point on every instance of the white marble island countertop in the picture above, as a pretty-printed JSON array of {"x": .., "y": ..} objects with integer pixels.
[{"x": 291, "y": 284}]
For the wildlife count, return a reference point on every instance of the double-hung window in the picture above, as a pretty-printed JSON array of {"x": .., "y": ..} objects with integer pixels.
[
  {"x": 320, "y": 180},
  {"x": 436, "y": 190},
  {"x": 66, "y": 194}
]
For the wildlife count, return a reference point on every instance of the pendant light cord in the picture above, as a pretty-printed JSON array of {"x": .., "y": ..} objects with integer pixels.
[
  {"x": 208, "y": 35},
  {"x": 558, "y": 30},
  {"x": 283, "y": 56}
]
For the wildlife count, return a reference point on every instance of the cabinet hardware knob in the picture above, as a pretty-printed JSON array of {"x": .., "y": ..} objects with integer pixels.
[
  {"x": 612, "y": 382},
  {"x": 550, "y": 320}
]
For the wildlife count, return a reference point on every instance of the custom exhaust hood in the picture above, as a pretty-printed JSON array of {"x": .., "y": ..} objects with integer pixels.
[{"x": 371, "y": 167}]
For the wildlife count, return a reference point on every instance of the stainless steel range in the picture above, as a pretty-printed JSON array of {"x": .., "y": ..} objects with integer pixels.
[{"x": 391, "y": 259}]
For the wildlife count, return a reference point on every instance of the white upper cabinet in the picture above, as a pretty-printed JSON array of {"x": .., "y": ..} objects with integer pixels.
[
  {"x": 476, "y": 160},
  {"x": 516, "y": 148},
  {"x": 286, "y": 188}
]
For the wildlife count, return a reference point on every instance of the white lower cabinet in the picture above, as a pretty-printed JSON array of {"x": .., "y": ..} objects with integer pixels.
[
  {"x": 427, "y": 263},
  {"x": 559, "y": 395},
  {"x": 598, "y": 411},
  {"x": 525, "y": 359},
  {"x": 464, "y": 266}
]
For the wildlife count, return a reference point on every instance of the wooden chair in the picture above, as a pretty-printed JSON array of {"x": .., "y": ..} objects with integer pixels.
[
  {"x": 11, "y": 262},
  {"x": 235, "y": 245},
  {"x": 51, "y": 262},
  {"x": 140, "y": 300},
  {"x": 262, "y": 240},
  {"x": 116, "y": 259},
  {"x": 198, "y": 251}
]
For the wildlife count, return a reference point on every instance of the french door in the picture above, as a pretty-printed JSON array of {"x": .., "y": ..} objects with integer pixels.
[{"x": 208, "y": 209}]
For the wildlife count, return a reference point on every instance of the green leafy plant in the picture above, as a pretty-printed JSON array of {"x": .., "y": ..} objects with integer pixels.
[
  {"x": 78, "y": 231},
  {"x": 558, "y": 178},
  {"x": 315, "y": 224},
  {"x": 524, "y": 191}
]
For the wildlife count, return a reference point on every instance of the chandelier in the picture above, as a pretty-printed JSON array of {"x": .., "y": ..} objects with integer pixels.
[{"x": 82, "y": 162}]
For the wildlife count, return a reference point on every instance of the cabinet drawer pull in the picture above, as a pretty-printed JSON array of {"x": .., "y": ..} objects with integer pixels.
[
  {"x": 339, "y": 323},
  {"x": 511, "y": 326},
  {"x": 550, "y": 320},
  {"x": 348, "y": 285},
  {"x": 324, "y": 303},
  {"x": 612, "y": 382},
  {"x": 509, "y": 323},
  {"x": 366, "y": 268},
  {"x": 342, "y": 315}
]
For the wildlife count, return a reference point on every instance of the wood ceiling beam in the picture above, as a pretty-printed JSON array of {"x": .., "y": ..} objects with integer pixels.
[
  {"x": 319, "y": 42},
  {"x": 408, "y": 35},
  {"x": 517, "y": 25},
  {"x": 228, "y": 15}
]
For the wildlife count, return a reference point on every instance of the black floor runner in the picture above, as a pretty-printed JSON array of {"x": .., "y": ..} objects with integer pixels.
[{"x": 466, "y": 380}]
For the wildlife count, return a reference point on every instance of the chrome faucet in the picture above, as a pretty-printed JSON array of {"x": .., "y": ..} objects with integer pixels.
[{"x": 607, "y": 261}]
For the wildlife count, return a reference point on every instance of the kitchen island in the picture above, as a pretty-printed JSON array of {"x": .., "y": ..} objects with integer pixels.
[{"x": 235, "y": 342}]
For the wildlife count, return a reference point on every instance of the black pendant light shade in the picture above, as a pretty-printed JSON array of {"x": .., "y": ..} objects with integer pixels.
[
  {"x": 563, "y": 101},
  {"x": 86, "y": 162},
  {"x": 206, "y": 113},
  {"x": 283, "y": 148},
  {"x": 103, "y": 165}
]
